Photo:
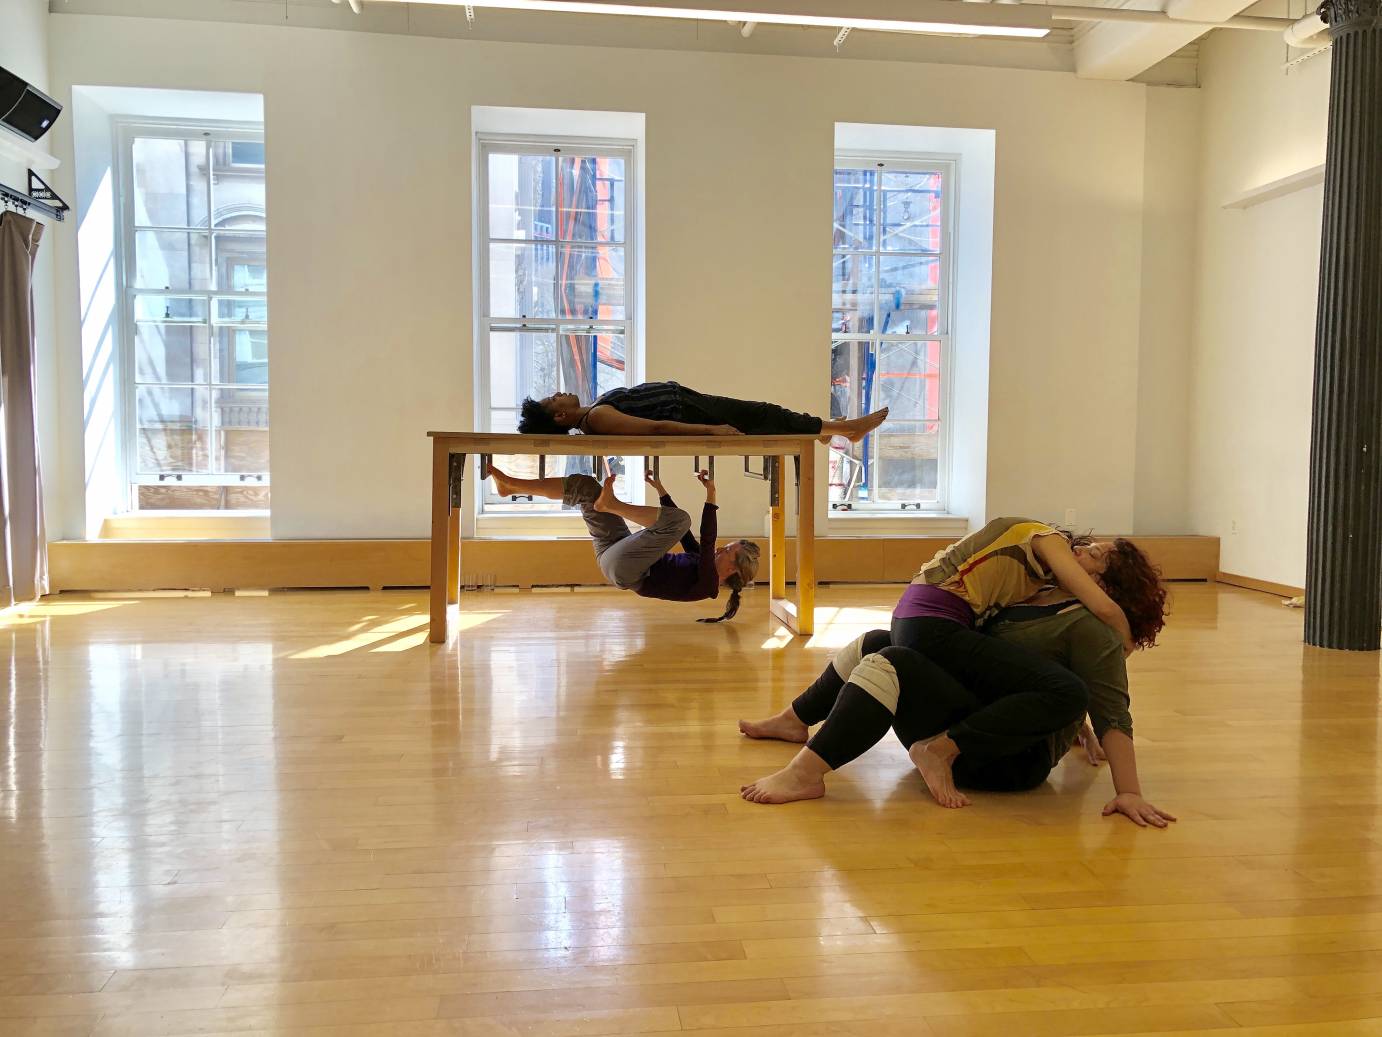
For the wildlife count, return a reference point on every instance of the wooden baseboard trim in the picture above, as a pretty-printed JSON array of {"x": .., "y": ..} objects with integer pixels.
[
  {"x": 1281, "y": 590},
  {"x": 143, "y": 565}
]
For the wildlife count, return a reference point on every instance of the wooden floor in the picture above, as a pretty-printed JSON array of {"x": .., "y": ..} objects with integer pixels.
[{"x": 289, "y": 814}]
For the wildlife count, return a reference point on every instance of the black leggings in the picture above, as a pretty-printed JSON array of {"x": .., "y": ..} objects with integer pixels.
[
  {"x": 928, "y": 701},
  {"x": 1023, "y": 697},
  {"x": 750, "y": 418}
]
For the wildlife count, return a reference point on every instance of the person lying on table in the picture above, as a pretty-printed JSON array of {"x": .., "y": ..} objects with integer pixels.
[{"x": 670, "y": 409}]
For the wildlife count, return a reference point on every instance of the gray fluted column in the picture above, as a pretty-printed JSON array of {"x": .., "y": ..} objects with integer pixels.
[{"x": 1343, "y": 603}]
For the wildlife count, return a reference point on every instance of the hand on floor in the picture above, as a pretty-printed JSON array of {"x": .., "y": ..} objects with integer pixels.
[{"x": 1138, "y": 810}]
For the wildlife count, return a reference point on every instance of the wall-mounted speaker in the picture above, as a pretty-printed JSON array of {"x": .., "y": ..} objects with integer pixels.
[{"x": 24, "y": 108}]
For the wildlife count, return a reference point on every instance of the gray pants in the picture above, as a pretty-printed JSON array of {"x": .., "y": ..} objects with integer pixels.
[{"x": 623, "y": 556}]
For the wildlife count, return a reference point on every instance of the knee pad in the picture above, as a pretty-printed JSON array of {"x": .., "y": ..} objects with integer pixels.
[
  {"x": 851, "y": 654},
  {"x": 876, "y": 675}
]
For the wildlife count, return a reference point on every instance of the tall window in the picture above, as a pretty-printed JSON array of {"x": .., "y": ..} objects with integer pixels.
[
  {"x": 195, "y": 277},
  {"x": 556, "y": 309},
  {"x": 890, "y": 331}
]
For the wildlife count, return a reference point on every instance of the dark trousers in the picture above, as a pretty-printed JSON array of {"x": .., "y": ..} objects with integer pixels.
[
  {"x": 1023, "y": 697},
  {"x": 750, "y": 418},
  {"x": 929, "y": 701}
]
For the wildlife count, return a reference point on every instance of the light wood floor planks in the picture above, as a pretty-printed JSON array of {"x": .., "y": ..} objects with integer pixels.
[{"x": 289, "y": 814}]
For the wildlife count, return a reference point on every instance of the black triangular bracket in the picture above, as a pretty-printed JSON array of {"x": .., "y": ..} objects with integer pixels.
[{"x": 40, "y": 191}]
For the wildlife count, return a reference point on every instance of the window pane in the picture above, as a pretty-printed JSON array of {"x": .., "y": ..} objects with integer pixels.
[
  {"x": 171, "y": 352},
  {"x": 169, "y": 307},
  {"x": 592, "y": 199},
  {"x": 907, "y": 380},
  {"x": 532, "y": 363},
  {"x": 522, "y": 364},
  {"x": 598, "y": 356},
  {"x": 911, "y": 212},
  {"x": 522, "y": 280},
  {"x": 591, "y": 282},
  {"x": 246, "y": 152},
  {"x": 170, "y": 183},
  {"x": 898, "y": 462},
  {"x": 852, "y": 295},
  {"x": 242, "y": 356},
  {"x": 173, "y": 429},
  {"x": 174, "y": 496},
  {"x": 172, "y": 260},
  {"x": 242, "y": 311},
  {"x": 237, "y": 190},
  {"x": 242, "y": 263},
  {"x": 242, "y": 430},
  {"x": 909, "y": 293},
  {"x": 522, "y": 197},
  {"x": 906, "y": 461},
  {"x": 856, "y": 209}
]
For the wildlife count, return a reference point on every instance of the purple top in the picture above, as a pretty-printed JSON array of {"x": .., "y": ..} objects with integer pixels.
[
  {"x": 921, "y": 600},
  {"x": 687, "y": 575}
]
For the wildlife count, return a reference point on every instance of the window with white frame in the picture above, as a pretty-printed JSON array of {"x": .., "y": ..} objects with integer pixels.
[
  {"x": 195, "y": 315},
  {"x": 556, "y": 295},
  {"x": 890, "y": 330}
]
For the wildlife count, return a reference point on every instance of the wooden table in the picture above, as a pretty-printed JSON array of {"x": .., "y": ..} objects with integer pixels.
[{"x": 450, "y": 449}]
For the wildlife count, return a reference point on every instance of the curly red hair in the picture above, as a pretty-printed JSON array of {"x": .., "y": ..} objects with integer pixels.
[{"x": 1131, "y": 580}]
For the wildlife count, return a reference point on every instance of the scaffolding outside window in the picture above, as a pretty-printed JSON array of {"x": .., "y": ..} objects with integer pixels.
[{"x": 890, "y": 330}]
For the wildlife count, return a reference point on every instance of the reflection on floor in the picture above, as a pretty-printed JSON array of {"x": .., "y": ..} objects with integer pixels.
[{"x": 278, "y": 813}]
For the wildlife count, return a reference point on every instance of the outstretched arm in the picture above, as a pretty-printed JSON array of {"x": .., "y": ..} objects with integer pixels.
[
  {"x": 1122, "y": 762},
  {"x": 709, "y": 578},
  {"x": 1056, "y": 553},
  {"x": 607, "y": 421}
]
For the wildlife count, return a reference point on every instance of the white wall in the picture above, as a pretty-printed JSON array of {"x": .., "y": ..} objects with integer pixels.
[
  {"x": 1171, "y": 174},
  {"x": 24, "y": 51},
  {"x": 1255, "y": 315},
  {"x": 369, "y": 193}
]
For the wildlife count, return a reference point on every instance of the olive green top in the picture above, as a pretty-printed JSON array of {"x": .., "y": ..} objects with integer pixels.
[{"x": 1071, "y": 635}]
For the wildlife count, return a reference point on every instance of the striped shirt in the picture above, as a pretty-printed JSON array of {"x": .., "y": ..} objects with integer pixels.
[
  {"x": 656, "y": 401},
  {"x": 991, "y": 568}
]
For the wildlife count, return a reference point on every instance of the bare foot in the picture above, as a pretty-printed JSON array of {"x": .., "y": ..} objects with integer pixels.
[
  {"x": 786, "y": 786},
  {"x": 933, "y": 759},
  {"x": 607, "y": 499},
  {"x": 502, "y": 483},
  {"x": 861, "y": 427},
  {"x": 785, "y": 727}
]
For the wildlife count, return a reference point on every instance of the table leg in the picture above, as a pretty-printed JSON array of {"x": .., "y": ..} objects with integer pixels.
[
  {"x": 441, "y": 540},
  {"x": 777, "y": 540},
  {"x": 806, "y": 544},
  {"x": 453, "y": 557}
]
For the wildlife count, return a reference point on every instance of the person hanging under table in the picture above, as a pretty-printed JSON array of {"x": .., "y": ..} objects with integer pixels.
[
  {"x": 644, "y": 562},
  {"x": 671, "y": 409}
]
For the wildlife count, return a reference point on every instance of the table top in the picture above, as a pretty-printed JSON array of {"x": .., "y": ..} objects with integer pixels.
[{"x": 633, "y": 446}]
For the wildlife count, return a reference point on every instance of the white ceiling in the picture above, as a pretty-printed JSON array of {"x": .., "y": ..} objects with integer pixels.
[{"x": 1057, "y": 52}]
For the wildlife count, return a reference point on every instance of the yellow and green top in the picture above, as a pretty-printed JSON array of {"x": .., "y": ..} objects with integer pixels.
[{"x": 993, "y": 567}]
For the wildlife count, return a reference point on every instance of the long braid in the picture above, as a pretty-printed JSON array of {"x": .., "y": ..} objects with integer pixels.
[
  {"x": 736, "y": 587},
  {"x": 737, "y": 582}
]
